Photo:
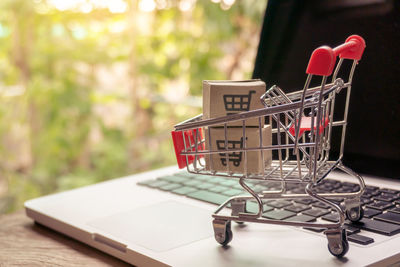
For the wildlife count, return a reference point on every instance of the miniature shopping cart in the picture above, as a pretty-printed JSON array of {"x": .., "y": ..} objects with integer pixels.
[
  {"x": 302, "y": 123},
  {"x": 237, "y": 103}
]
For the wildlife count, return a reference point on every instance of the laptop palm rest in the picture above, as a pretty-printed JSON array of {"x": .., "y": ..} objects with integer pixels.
[{"x": 158, "y": 227}]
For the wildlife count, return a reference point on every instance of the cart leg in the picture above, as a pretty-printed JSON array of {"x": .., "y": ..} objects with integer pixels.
[
  {"x": 238, "y": 206},
  {"x": 354, "y": 210},
  {"x": 222, "y": 231},
  {"x": 337, "y": 242}
]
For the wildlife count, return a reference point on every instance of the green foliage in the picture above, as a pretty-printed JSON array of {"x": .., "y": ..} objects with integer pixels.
[{"x": 86, "y": 97}]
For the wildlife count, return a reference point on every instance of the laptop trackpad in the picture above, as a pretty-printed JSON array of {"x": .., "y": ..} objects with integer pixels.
[{"x": 159, "y": 227}]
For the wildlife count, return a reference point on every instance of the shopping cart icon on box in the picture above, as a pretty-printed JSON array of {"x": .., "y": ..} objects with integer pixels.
[
  {"x": 235, "y": 157},
  {"x": 237, "y": 103}
]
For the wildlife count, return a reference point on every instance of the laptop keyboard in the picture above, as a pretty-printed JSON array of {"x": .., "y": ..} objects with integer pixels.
[{"x": 381, "y": 205}]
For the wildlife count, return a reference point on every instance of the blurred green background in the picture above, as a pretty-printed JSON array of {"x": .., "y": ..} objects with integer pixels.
[{"x": 90, "y": 89}]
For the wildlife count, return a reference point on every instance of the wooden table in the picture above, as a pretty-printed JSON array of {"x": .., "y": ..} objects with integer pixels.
[{"x": 24, "y": 243}]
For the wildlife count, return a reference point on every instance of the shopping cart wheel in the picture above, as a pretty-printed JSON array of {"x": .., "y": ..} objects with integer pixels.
[
  {"x": 222, "y": 231},
  {"x": 355, "y": 214},
  {"x": 337, "y": 243}
]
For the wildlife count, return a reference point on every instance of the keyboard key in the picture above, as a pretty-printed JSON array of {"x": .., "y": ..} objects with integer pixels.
[
  {"x": 204, "y": 185},
  {"x": 170, "y": 186},
  {"x": 335, "y": 184},
  {"x": 370, "y": 187},
  {"x": 217, "y": 180},
  {"x": 324, "y": 181},
  {"x": 322, "y": 205},
  {"x": 386, "y": 197},
  {"x": 380, "y": 205},
  {"x": 372, "y": 192},
  {"x": 390, "y": 191},
  {"x": 351, "y": 230},
  {"x": 208, "y": 197},
  {"x": 297, "y": 207},
  {"x": 332, "y": 217},
  {"x": 237, "y": 186},
  {"x": 298, "y": 190},
  {"x": 336, "y": 200},
  {"x": 252, "y": 182},
  {"x": 347, "y": 184},
  {"x": 278, "y": 214},
  {"x": 147, "y": 182},
  {"x": 218, "y": 189},
  {"x": 192, "y": 182},
  {"x": 291, "y": 186},
  {"x": 158, "y": 184},
  {"x": 260, "y": 188},
  {"x": 184, "y": 190},
  {"x": 272, "y": 185},
  {"x": 356, "y": 188},
  {"x": 344, "y": 189},
  {"x": 369, "y": 213},
  {"x": 396, "y": 210},
  {"x": 253, "y": 207},
  {"x": 368, "y": 195},
  {"x": 321, "y": 189},
  {"x": 360, "y": 239},
  {"x": 365, "y": 200},
  {"x": 325, "y": 185},
  {"x": 232, "y": 192},
  {"x": 390, "y": 217},
  {"x": 173, "y": 178},
  {"x": 301, "y": 218},
  {"x": 204, "y": 178},
  {"x": 316, "y": 212},
  {"x": 279, "y": 203},
  {"x": 375, "y": 226},
  {"x": 305, "y": 201},
  {"x": 229, "y": 182},
  {"x": 327, "y": 188}
]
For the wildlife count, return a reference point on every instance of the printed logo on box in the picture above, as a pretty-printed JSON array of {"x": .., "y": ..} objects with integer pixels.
[
  {"x": 235, "y": 157},
  {"x": 237, "y": 103}
]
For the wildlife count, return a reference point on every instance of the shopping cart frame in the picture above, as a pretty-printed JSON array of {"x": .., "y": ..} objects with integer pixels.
[{"x": 311, "y": 157}]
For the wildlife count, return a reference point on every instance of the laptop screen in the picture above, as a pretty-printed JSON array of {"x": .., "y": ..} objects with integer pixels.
[{"x": 293, "y": 29}]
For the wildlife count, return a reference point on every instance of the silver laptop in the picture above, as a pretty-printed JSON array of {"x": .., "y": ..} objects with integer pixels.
[
  {"x": 136, "y": 219},
  {"x": 163, "y": 217}
]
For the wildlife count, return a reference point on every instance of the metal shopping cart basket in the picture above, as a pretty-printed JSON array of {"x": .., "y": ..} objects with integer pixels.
[{"x": 302, "y": 123}]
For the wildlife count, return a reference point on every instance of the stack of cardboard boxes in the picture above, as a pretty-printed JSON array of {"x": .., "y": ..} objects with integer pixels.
[{"x": 222, "y": 98}]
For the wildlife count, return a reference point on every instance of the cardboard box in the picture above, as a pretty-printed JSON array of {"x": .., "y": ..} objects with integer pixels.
[
  {"x": 221, "y": 98},
  {"x": 236, "y": 160}
]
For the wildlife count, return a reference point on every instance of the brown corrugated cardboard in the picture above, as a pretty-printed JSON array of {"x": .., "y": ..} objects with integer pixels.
[
  {"x": 221, "y": 98},
  {"x": 236, "y": 160}
]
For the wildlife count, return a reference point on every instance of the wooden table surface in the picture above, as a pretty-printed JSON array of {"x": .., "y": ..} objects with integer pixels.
[{"x": 24, "y": 243}]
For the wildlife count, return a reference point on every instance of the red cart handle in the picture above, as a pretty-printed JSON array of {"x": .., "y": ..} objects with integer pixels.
[{"x": 323, "y": 59}]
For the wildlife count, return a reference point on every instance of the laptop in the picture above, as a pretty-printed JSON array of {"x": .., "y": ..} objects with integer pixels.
[{"x": 163, "y": 217}]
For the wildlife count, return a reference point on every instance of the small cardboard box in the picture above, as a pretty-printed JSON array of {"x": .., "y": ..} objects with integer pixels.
[
  {"x": 221, "y": 98},
  {"x": 236, "y": 160}
]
